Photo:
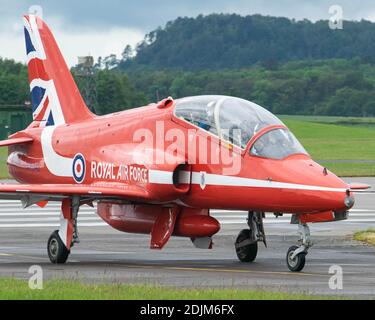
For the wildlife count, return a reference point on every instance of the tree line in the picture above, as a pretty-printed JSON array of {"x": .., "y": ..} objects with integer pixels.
[
  {"x": 335, "y": 87},
  {"x": 224, "y": 41},
  {"x": 322, "y": 87}
]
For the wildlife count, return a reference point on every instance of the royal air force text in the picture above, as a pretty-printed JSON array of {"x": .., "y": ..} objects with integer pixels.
[{"x": 122, "y": 173}]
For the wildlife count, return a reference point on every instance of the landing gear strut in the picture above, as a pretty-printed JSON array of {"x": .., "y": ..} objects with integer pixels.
[
  {"x": 61, "y": 241},
  {"x": 296, "y": 256},
  {"x": 247, "y": 241}
]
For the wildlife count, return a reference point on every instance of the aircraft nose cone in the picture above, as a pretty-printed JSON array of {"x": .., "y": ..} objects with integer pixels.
[{"x": 349, "y": 200}]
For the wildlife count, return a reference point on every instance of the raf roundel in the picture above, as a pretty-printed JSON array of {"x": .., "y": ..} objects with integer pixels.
[{"x": 79, "y": 168}]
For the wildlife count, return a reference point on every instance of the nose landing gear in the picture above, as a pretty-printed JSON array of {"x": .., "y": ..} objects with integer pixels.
[
  {"x": 296, "y": 256},
  {"x": 247, "y": 241}
]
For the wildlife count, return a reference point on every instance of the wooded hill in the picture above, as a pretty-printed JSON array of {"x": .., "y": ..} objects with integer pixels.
[{"x": 218, "y": 42}]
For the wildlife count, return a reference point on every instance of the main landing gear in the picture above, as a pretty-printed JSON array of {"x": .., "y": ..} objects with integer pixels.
[
  {"x": 247, "y": 241},
  {"x": 61, "y": 241}
]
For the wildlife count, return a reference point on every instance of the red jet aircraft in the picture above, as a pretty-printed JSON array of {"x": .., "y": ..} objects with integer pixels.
[{"x": 159, "y": 169}]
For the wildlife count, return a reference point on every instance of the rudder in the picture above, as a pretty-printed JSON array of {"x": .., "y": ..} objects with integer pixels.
[{"x": 55, "y": 97}]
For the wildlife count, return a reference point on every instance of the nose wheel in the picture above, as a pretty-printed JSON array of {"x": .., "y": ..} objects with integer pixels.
[
  {"x": 295, "y": 262},
  {"x": 296, "y": 255}
]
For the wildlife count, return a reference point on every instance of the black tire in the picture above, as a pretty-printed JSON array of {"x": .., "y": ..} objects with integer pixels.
[
  {"x": 249, "y": 252},
  {"x": 299, "y": 261},
  {"x": 57, "y": 251}
]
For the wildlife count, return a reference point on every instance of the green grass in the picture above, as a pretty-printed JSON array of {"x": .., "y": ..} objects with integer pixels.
[
  {"x": 12, "y": 289},
  {"x": 347, "y": 121},
  {"x": 367, "y": 236},
  {"x": 3, "y": 163},
  {"x": 329, "y": 142},
  {"x": 351, "y": 169}
]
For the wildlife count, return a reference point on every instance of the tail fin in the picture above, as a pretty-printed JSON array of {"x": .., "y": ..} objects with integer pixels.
[{"x": 54, "y": 94}]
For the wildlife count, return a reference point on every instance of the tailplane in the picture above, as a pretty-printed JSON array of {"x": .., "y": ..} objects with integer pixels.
[{"x": 55, "y": 97}]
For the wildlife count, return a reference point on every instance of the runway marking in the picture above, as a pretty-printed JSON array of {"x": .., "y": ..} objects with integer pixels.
[
  {"x": 47, "y": 214},
  {"x": 23, "y": 256},
  {"x": 200, "y": 269},
  {"x": 46, "y": 219},
  {"x": 12, "y": 216},
  {"x": 39, "y": 225}
]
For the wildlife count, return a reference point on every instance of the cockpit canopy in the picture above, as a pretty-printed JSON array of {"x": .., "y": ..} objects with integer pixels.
[
  {"x": 232, "y": 119},
  {"x": 236, "y": 121}
]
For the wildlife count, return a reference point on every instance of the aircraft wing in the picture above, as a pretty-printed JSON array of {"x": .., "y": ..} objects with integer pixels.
[{"x": 57, "y": 192}]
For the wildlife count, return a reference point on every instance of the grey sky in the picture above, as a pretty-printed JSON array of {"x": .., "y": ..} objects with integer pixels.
[{"x": 103, "y": 27}]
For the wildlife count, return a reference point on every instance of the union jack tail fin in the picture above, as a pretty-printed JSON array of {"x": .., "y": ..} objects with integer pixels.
[{"x": 54, "y": 94}]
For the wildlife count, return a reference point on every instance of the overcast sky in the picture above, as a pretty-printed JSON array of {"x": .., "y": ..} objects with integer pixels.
[{"x": 100, "y": 28}]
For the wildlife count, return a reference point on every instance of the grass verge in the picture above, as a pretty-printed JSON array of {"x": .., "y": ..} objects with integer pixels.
[
  {"x": 13, "y": 289},
  {"x": 3, "y": 163},
  {"x": 351, "y": 169},
  {"x": 367, "y": 236}
]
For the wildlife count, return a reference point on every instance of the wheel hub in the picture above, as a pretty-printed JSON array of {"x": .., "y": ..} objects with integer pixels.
[
  {"x": 53, "y": 247},
  {"x": 292, "y": 262}
]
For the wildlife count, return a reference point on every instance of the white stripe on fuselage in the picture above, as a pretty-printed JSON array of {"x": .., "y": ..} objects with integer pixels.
[
  {"x": 56, "y": 164},
  {"x": 165, "y": 177}
]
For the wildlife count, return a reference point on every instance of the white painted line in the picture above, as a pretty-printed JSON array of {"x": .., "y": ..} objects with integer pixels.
[
  {"x": 40, "y": 225},
  {"x": 46, "y": 219},
  {"x": 364, "y": 193},
  {"x": 47, "y": 214}
]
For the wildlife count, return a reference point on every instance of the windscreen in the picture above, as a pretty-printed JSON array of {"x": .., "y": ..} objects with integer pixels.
[{"x": 277, "y": 144}]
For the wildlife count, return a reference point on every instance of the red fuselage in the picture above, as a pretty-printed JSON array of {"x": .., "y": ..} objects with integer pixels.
[{"x": 295, "y": 184}]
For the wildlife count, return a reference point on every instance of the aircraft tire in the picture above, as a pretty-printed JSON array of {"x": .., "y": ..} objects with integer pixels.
[
  {"x": 299, "y": 261},
  {"x": 249, "y": 252},
  {"x": 57, "y": 251}
]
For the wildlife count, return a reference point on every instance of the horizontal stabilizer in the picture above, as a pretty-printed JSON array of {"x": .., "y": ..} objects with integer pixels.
[{"x": 14, "y": 141}]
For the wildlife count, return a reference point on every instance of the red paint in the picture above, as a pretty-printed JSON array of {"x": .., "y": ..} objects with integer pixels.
[
  {"x": 168, "y": 205},
  {"x": 191, "y": 223},
  {"x": 317, "y": 218}
]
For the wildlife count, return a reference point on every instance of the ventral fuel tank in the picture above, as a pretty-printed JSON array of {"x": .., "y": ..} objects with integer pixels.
[{"x": 191, "y": 223}]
